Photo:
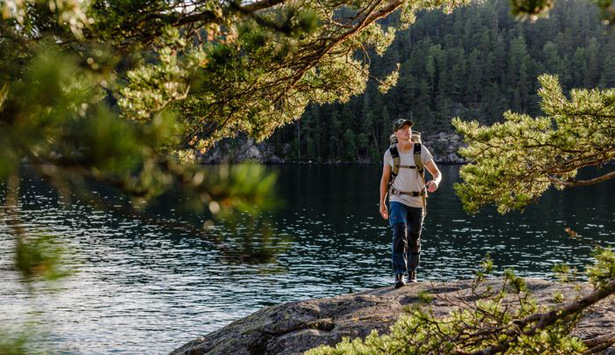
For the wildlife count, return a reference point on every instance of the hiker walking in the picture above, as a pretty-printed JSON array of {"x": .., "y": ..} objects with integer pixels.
[{"x": 403, "y": 180}]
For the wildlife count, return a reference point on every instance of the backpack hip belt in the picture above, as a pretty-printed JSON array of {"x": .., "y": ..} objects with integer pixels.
[{"x": 397, "y": 192}]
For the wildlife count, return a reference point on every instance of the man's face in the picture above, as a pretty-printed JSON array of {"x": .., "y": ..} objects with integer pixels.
[{"x": 404, "y": 132}]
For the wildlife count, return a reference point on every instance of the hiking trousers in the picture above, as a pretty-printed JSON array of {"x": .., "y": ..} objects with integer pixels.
[{"x": 407, "y": 223}]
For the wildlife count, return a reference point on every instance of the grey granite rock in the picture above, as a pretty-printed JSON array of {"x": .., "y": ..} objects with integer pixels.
[{"x": 295, "y": 327}]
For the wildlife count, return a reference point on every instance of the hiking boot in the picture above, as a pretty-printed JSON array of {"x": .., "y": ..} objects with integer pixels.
[
  {"x": 399, "y": 280},
  {"x": 412, "y": 276}
]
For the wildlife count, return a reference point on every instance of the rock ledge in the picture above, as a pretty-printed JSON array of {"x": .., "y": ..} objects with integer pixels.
[{"x": 295, "y": 327}]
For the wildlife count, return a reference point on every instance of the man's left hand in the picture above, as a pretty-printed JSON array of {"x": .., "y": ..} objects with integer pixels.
[{"x": 431, "y": 186}]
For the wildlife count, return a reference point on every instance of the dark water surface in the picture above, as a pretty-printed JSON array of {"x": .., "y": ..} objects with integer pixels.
[{"x": 141, "y": 289}]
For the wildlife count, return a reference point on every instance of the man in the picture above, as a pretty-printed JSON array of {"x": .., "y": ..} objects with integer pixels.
[{"x": 407, "y": 198}]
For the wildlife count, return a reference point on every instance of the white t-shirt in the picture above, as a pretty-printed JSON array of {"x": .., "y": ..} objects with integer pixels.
[{"x": 408, "y": 180}]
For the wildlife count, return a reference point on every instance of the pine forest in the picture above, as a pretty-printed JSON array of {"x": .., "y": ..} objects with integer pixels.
[{"x": 475, "y": 63}]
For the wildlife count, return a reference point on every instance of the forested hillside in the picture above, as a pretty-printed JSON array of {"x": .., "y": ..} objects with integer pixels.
[{"x": 475, "y": 63}]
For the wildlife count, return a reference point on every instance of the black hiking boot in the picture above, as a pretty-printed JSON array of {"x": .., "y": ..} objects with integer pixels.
[
  {"x": 412, "y": 276},
  {"x": 399, "y": 280}
]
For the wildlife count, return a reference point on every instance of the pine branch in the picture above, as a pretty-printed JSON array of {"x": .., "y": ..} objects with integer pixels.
[
  {"x": 589, "y": 182},
  {"x": 370, "y": 17},
  {"x": 260, "y": 5},
  {"x": 545, "y": 320}
]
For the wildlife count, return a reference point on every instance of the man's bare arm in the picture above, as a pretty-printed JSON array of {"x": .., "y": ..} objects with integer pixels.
[
  {"x": 432, "y": 185},
  {"x": 384, "y": 181}
]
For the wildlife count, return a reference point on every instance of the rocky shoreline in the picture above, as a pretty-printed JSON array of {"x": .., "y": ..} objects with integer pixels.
[
  {"x": 443, "y": 146},
  {"x": 295, "y": 327}
]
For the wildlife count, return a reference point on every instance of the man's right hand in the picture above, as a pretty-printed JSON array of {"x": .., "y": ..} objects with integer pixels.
[{"x": 383, "y": 211}]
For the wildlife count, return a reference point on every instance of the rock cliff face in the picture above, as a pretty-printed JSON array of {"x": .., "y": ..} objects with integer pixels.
[
  {"x": 295, "y": 327},
  {"x": 240, "y": 150},
  {"x": 443, "y": 146}
]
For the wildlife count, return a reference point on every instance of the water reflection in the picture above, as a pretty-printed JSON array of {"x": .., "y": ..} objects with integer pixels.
[{"x": 136, "y": 282}]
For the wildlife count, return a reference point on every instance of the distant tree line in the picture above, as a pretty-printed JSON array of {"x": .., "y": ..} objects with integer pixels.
[{"x": 476, "y": 64}]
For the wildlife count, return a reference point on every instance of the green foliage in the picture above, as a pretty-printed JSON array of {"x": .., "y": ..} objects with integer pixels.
[
  {"x": 558, "y": 297},
  {"x": 56, "y": 119},
  {"x": 40, "y": 256},
  {"x": 486, "y": 269},
  {"x": 532, "y": 9},
  {"x": 251, "y": 240},
  {"x": 247, "y": 188},
  {"x": 248, "y": 236},
  {"x": 13, "y": 346},
  {"x": 565, "y": 273},
  {"x": 603, "y": 271},
  {"x": 425, "y": 297},
  {"x": 514, "y": 162}
]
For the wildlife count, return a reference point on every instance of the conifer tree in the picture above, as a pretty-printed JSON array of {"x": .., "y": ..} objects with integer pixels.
[{"x": 516, "y": 161}]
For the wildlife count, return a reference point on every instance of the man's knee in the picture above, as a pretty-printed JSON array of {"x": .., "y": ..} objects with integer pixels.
[
  {"x": 414, "y": 243},
  {"x": 415, "y": 249}
]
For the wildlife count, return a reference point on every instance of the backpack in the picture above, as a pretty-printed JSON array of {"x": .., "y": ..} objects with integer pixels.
[{"x": 418, "y": 165}]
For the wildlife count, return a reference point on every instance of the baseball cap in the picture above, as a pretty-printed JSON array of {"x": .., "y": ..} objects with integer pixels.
[{"x": 400, "y": 122}]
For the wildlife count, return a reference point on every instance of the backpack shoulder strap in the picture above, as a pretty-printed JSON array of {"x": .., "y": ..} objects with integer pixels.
[
  {"x": 395, "y": 156},
  {"x": 418, "y": 161},
  {"x": 395, "y": 169}
]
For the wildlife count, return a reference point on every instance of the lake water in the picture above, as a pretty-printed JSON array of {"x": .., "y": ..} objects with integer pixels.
[{"x": 142, "y": 289}]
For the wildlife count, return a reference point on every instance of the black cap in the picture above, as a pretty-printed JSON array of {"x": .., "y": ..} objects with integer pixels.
[{"x": 400, "y": 122}]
